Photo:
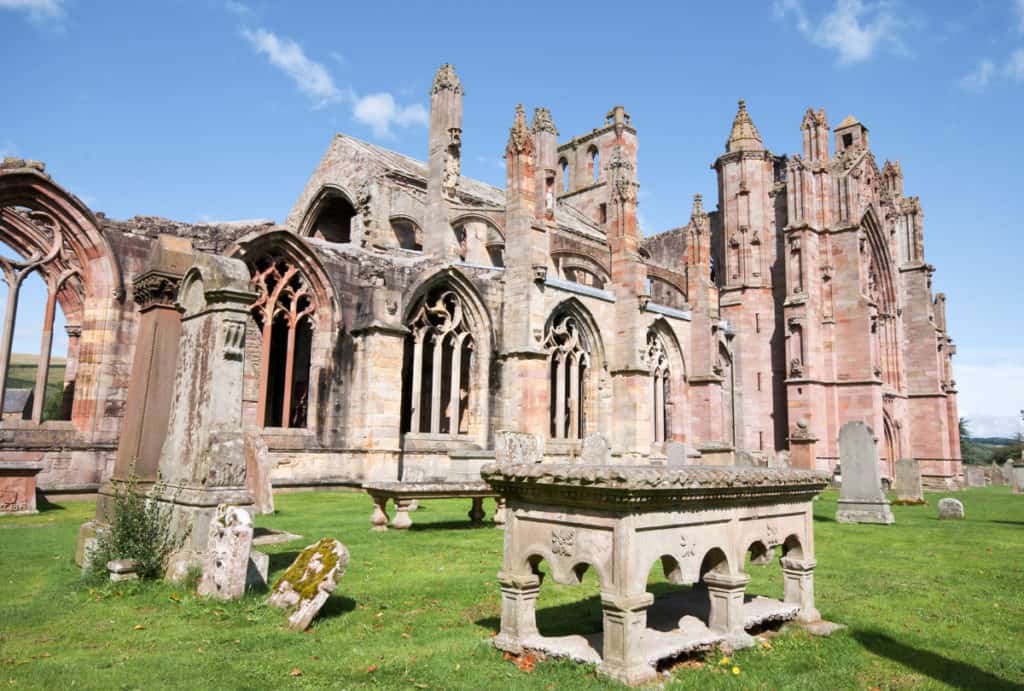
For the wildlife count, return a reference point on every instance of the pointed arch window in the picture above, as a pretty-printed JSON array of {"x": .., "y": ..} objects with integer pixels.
[
  {"x": 661, "y": 393},
  {"x": 569, "y": 369},
  {"x": 284, "y": 312},
  {"x": 439, "y": 366}
]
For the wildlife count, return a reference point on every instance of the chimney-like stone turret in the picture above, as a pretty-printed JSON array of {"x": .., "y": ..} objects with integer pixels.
[{"x": 443, "y": 163}]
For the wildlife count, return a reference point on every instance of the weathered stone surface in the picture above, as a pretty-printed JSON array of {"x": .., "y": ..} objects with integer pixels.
[
  {"x": 256, "y": 573},
  {"x": 908, "y": 482},
  {"x": 861, "y": 499},
  {"x": 1018, "y": 477},
  {"x": 309, "y": 581},
  {"x": 744, "y": 459},
  {"x": 974, "y": 475},
  {"x": 951, "y": 509},
  {"x": 596, "y": 450},
  {"x": 123, "y": 570},
  {"x": 621, "y": 519},
  {"x": 517, "y": 447},
  {"x": 226, "y": 561},
  {"x": 18, "y": 487},
  {"x": 676, "y": 453},
  {"x": 996, "y": 476},
  {"x": 258, "y": 467}
]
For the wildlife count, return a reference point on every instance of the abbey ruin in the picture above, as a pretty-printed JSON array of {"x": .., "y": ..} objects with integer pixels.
[{"x": 404, "y": 314}]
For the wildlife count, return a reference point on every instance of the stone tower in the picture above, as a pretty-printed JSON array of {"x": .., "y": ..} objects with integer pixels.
[{"x": 444, "y": 161}]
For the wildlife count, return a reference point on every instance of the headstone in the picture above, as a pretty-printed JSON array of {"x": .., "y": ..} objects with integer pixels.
[
  {"x": 996, "y": 474},
  {"x": 1018, "y": 477},
  {"x": 226, "y": 562},
  {"x": 258, "y": 466},
  {"x": 517, "y": 447},
  {"x": 256, "y": 574},
  {"x": 596, "y": 450},
  {"x": 676, "y": 453},
  {"x": 951, "y": 509},
  {"x": 908, "y": 482},
  {"x": 203, "y": 461},
  {"x": 860, "y": 497},
  {"x": 1007, "y": 470},
  {"x": 975, "y": 475},
  {"x": 309, "y": 581}
]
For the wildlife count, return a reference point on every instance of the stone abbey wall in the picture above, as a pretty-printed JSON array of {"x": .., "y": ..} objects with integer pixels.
[{"x": 406, "y": 314}]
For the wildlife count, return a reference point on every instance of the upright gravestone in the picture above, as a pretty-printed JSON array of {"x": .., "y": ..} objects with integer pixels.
[
  {"x": 1018, "y": 477},
  {"x": 975, "y": 475},
  {"x": 1007, "y": 470},
  {"x": 860, "y": 497},
  {"x": 996, "y": 474},
  {"x": 908, "y": 482},
  {"x": 202, "y": 462},
  {"x": 228, "y": 547}
]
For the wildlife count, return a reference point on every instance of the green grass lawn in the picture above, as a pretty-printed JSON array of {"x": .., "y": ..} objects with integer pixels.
[
  {"x": 928, "y": 604},
  {"x": 22, "y": 375}
]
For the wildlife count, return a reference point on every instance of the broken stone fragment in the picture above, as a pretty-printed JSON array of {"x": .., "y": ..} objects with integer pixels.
[
  {"x": 309, "y": 581},
  {"x": 123, "y": 569},
  {"x": 228, "y": 547},
  {"x": 951, "y": 509}
]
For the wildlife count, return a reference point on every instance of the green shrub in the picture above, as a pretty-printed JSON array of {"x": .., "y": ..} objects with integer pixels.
[{"x": 140, "y": 529}]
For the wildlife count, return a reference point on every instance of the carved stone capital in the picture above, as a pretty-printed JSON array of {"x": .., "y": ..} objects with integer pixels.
[{"x": 155, "y": 288}]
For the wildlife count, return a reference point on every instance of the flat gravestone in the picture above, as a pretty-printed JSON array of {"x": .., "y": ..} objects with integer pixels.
[
  {"x": 861, "y": 499},
  {"x": 975, "y": 475},
  {"x": 228, "y": 550},
  {"x": 596, "y": 450},
  {"x": 309, "y": 581},
  {"x": 908, "y": 482},
  {"x": 517, "y": 447},
  {"x": 951, "y": 509}
]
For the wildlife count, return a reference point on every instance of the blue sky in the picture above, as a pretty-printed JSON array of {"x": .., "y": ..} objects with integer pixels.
[{"x": 213, "y": 110}]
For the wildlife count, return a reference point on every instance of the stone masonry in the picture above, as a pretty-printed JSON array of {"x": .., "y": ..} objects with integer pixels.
[{"x": 404, "y": 314}]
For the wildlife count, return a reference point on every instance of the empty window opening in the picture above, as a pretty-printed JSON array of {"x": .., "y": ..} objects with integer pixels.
[
  {"x": 407, "y": 235},
  {"x": 563, "y": 165},
  {"x": 595, "y": 164},
  {"x": 569, "y": 370},
  {"x": 602, "y": 213},
  {"x": 334, "y": 222}
]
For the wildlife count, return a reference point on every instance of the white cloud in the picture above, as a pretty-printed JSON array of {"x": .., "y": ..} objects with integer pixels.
[
  {"x": 310, "y": 76},
  {"x": 37, "y": 9},
  {"x": 979, "y": 78},
  {"x": 381, "y": 112},
  {"x": 853, "y": 28},
  {"x": 1014, "y": 68}
]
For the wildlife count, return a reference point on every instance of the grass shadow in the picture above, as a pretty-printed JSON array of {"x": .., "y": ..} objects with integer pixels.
[
  {"x": 335, "y": 606},
  {"x": 953, "y": 672},
  {"x": 1008, "y": 522},
  {"x": 824, "y": 519},
  {"x": 43, "y": 504},
  {"x": 281, "y": 560},
  {"x": 450, "y": 525}
]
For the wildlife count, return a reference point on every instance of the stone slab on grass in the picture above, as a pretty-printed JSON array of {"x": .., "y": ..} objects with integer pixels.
[{"x": 309, "y": 581}]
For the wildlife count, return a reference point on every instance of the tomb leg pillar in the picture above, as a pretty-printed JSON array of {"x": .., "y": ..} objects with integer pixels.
[
  {"x": 518, "y": 610},
  {"x": 476, "y": 513},
  {"x": 379, "y": 519},
  {"x": 625, "y": 620},
  {"x": 402, "y": 520},
  {"x": 499, "y": 512},
  {"x": 798, "y": 587},
  {"x": 725, "y": 592}
]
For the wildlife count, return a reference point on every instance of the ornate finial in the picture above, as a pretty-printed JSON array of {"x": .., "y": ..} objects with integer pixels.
[
  {"x": 519, "y": 139},
  {"x": 812, "y": 119},
  {"x": 621, "y": 176},
  {"x": 698, "y": 205},
  {"x": 542, "y": 121},
  {"x": 446, "y": 79},
  {"x": 744, "y": 135}
]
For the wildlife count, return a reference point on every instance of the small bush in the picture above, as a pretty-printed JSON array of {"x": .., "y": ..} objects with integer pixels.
[{"x": 140, "y": 530}]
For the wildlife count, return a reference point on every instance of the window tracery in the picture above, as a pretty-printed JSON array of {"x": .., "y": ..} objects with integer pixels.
[{"x": 569, "y": 370}]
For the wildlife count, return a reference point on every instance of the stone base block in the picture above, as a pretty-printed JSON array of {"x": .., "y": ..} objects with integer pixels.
[{"x": 864, "y": 512}]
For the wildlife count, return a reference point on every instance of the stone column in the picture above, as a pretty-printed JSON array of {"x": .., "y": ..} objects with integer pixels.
[
  {"x": 725, "y": 592},
  {"x": 625, "y": 620},
  {"x": 202, "y": 462},
  {"x": 518, "y": 610},
  {"x": 798, "y": 587}
]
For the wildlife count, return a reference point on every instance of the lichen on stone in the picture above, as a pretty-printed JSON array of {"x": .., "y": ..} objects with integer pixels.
[{"x": 296, "y": 576}]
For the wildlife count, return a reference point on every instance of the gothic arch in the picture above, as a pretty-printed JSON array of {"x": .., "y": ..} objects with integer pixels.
[
  {"x": 294, "y": 319},
  {"x": 58, "y": 238},
  {"x": 488, "y": 249},
  {"x": 447, "y": 361},
  {"x": 674, "y": 393},
  {"x": 328, "y": 199},
  {"x": 576, "y": 359}
]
